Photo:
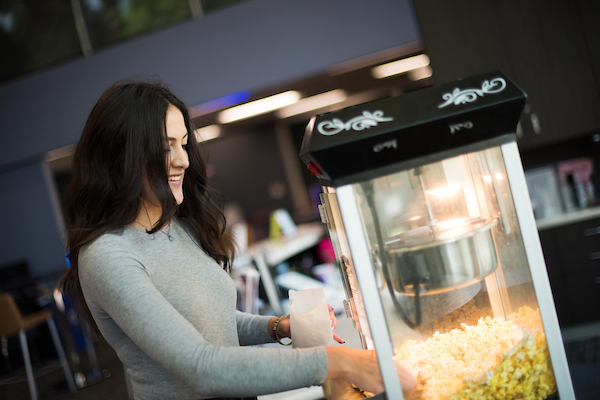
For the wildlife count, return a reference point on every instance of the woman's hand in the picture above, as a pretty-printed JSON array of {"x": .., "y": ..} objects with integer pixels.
[
  {"x": 360, "y": 367},
  {"x": 284, "y": 328},
  {"x": 336, "y": 337}
]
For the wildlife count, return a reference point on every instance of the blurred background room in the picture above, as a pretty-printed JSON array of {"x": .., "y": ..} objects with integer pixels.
[{"x": 253, "y": 72}]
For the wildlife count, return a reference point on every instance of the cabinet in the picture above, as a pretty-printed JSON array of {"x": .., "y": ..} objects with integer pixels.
[
  {"x": 589, "y": 12},
  {"x": 546, "y": 46},
  {"x": 572, "y": 254}
]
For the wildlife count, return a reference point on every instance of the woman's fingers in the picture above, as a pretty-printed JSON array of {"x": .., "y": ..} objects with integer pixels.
[
  {"x": 338, "y": 338},
  {"x": 332, "y": 316}
]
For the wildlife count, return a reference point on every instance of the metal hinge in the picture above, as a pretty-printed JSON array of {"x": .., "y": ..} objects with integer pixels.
[
  {"x": 323, "y": 214},
  {"x": 348, "y": 308}
]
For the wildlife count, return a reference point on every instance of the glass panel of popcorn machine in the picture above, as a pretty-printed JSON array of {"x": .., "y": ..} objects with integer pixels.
[
  {"x": 454, "y": 280},
  {"x": 354, "y": 306}
]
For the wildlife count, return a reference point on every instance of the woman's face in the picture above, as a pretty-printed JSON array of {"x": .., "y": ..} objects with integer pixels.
[{"x": 177, "y": 156}]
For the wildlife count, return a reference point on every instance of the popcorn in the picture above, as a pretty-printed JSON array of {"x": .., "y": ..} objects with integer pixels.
[{"x": 493, "y": 359}]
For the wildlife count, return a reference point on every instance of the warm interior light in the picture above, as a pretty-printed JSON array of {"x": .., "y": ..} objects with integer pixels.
[
  {"x": 420, "y": 73},
  {"x": 488, "y": 178},
  {"x": 452, "y": 223},
  {"x": 207, "y": 133},
  {"x": 313, "y": 103},
  {"x": 446, "y": 190},
  {"x": 400, "y": 66},
  {"x": 258, "y": 107}
]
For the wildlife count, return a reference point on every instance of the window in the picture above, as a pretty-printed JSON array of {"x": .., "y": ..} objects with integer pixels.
[
  {"x": 211, "y": 5},
  {"x": 112, "y": 21},
  {"x": 35, "y": 34}
]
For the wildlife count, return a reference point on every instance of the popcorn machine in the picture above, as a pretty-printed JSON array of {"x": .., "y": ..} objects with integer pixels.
[{"x": 427, "y": 206}]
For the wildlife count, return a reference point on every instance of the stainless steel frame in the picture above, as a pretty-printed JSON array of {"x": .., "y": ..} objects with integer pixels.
[
  {"x": 537, "y": 266},
  {"x": 363, "y": 264}
]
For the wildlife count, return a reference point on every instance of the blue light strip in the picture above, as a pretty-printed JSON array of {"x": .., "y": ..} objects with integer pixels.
[{"x": 220, "y": 102}]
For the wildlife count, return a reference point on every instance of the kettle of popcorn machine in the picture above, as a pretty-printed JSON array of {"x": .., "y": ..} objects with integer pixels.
[{"x": 426, "y": 203}]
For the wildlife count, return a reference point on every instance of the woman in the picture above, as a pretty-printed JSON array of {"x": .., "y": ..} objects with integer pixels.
[{"x": 150, "y": 269}]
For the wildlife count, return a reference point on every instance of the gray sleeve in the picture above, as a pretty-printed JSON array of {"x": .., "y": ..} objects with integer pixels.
[
  {"x": 118, "y": 285},
  {"x": 253, "y": 329}
]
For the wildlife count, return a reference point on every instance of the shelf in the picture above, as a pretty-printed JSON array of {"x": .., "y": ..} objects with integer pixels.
[{"x": 568, "y": 218}]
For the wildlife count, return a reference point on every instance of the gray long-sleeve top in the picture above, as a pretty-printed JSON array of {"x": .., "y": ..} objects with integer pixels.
[{"x": 168, "y": 310}]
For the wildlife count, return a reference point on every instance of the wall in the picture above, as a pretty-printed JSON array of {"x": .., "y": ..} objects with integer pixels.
[
  {"x": 30, "y": 231},
  {"x": 244, "y": 176},
  {"x": 251, "y": 45}
]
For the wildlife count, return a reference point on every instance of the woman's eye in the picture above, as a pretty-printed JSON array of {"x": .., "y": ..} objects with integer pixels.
[{"x": 186, "y": 146}]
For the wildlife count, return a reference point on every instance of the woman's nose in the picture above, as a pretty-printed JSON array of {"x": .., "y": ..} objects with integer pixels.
[{"x": 180, "y": 159}]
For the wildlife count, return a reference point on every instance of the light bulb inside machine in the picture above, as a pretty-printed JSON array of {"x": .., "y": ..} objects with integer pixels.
[
  {"x": 445, "y": 190},
  {"x": 488, "y": 178}
]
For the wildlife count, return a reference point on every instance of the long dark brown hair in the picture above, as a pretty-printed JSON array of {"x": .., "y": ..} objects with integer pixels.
[{"x": 122, "y": 142}]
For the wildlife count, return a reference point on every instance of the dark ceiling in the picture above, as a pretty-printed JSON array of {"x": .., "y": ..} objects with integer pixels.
[{"x": 354, "y": 77}]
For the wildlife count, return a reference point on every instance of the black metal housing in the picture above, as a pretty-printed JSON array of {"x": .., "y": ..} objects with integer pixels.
[{"x": 376, "y": 138}]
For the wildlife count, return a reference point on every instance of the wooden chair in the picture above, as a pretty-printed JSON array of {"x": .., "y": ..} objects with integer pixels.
[{"x": 12, "y": 323}]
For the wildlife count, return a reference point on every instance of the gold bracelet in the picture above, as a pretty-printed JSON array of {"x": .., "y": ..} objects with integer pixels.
[{"x": 275, "y": 335}]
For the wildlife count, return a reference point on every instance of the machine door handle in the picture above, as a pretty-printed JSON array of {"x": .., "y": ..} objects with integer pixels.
[{"x": 592, "y": 231}]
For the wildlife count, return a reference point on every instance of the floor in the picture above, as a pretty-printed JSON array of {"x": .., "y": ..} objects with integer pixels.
[
  {"x": 582, "y": 345},
  {"x": 52, "y": 386}
]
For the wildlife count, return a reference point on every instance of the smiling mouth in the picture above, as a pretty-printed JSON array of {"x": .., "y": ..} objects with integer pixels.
[{"x": 175, "y": 178}]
